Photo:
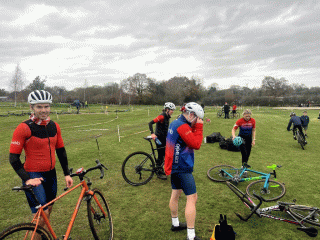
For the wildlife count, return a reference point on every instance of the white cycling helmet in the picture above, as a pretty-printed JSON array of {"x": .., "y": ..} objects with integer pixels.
[
  {"x": 195, "y": 108},
  {"x": 39, "y": 96},
  {"x": 169, "y": 105}
]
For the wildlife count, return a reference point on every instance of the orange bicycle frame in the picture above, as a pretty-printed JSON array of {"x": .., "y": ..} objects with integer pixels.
[{"x": 40, "y": 213}]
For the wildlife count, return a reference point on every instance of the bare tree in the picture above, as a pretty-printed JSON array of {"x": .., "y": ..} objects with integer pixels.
[{"x": 17, "y": 82}]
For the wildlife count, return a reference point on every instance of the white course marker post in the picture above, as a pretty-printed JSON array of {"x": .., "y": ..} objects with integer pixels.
[
  {"x": 57, "y": 114},
  {"x": 119, "y": 133}
]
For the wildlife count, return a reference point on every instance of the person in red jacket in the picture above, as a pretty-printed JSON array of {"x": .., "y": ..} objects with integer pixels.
[
  {"x": 40, "y": 138},
  {"x": 184, "y": 135},
  {"x": 247, "y": 132},
  {"x": 160, "y": 135},
  {"x": 234, "y": 110}
]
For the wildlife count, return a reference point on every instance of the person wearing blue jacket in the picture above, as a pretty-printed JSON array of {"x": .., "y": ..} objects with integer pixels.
[
  {"x": 305, "y": 122},
  {"x": 296, "y": 121}
]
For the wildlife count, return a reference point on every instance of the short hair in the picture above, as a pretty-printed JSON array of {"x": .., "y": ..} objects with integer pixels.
[{"x": 247, "y": 111}]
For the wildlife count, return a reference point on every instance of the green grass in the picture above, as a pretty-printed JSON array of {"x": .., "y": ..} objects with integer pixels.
[{"x": 143, "y": 212}]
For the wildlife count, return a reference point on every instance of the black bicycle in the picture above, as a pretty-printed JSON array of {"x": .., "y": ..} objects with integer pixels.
[
  {"x": 139, "y": 167},
  {"x": 299, "y": 136},
  {"x": 299, "y": 214}
]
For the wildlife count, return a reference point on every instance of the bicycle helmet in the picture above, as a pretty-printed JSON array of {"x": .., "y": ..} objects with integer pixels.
[
  {"x": 237, "y": 141},
  {"x": 169, "y": 105},
  {"x": 195, "y": 108},
  {"x": 39, "y": 96},
  {"x": 292, "y": 114}
]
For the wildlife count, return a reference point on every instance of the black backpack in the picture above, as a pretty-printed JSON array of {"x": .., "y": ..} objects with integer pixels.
[
  {"x": 223, "y": 231},
  {"x": 227, "y": 143},
  {"x": 214, "y": 137}
]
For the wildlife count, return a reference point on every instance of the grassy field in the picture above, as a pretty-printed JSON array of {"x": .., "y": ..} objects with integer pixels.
[{"x": 143, "y": 212}]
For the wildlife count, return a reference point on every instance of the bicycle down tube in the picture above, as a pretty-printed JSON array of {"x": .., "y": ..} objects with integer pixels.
[{"x": 40, "y": 213}]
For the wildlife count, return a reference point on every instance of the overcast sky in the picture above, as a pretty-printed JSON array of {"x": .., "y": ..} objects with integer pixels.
[{"x": 225, "y": 42}]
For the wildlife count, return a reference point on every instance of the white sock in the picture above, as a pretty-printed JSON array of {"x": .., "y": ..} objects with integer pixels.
[
  {"x": 191, "y": 233},
  {"x": 175, "y": 222}
]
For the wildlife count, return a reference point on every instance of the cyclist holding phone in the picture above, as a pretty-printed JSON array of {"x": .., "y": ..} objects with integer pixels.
[{"x": 40, "y": 138}]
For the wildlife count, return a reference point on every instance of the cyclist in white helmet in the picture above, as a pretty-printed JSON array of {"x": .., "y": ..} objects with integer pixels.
[
  {"x": 160, "y": 135},
  {"x": 184, "y": 135},
  {"x": 40, "y": 138}
]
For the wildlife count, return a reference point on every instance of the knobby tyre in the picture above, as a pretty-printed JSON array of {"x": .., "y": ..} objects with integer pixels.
[
  {"x": 301, "y": 212},
  {"x": 138, "y": 168},
  {"x": 24, "y": 231},
  {"x": 300, "y": 140},
  {"x": 100, "y": 221},
  {"x": 276, "y": 190},
  {"x": 219, "y": 114},
  {"x": 217, "y": 173}
]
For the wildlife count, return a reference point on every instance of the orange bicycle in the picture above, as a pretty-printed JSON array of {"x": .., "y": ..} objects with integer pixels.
[{"x": 99, "y": 215}]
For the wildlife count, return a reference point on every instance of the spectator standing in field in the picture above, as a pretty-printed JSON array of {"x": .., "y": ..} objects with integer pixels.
[
  {"x": 226, "y": 109},
  {"x": 162, "y": 125},
  {"x": 234, "y": 109},
  {"x": 77, "y": 104},
  {"x": 305, "y": 122},
  {"x": 40, "y": 138},
  {"x": 247, "y": 132},
  {"x": 185, "y": 134}
]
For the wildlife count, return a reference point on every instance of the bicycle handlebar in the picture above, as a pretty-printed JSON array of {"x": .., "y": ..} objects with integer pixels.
[
  {"x": 254, "y": 210},
  {"x": 83, "y": 172}
]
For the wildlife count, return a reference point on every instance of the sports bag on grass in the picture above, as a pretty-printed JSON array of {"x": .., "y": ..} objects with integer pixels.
[
  {"x": 223, "y": 231},
  {"x": 214, "y": 137}
]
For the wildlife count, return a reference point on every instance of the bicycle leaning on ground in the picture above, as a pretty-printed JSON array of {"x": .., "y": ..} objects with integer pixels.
[
  {"x": 139, "y": 167},
  {"x": 271, "y": 190},
  {"x": 300, "y": 137},
  {"x": 299, "y": 214},
  {"x": 99, "y": 215}
]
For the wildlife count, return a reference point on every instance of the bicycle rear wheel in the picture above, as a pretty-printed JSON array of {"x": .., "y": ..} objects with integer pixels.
[
  {"x": 218, "y": 173},
  {"x": 276, "y": 190},
  {"x": 300, "y": 139},
  {"x": 138, "y": 168},
  {"x": 219, "y": 114},
  {"x": 24, "y": 231},
  {"x": 301, "y": 212},
  {"x": 100, "y": 219}
]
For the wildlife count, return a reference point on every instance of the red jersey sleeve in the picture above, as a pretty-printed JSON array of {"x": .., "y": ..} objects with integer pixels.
[
  {"x": 20, "y": 136},
  {"x": 59, "y": 143},
  {"x": 160, "y": 118},
  {"x": 237, "y": 124},
  {"x": 191, "y": 136}
]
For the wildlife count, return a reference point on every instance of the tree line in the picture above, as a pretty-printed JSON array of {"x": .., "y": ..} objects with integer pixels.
[{"x": 140, "y": 89}]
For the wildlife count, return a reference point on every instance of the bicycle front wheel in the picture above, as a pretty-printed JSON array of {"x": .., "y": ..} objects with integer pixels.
[
  {"x": 25, "y": 231},
  {"x": 99, "y": 217},
  {"x": 219, "y": 173},
  {"x": 138, "y": 168},
  {"x": 305, "y": 213},
  {"x": 276, "y": 190},
  {"x": 219, "y": 114}
]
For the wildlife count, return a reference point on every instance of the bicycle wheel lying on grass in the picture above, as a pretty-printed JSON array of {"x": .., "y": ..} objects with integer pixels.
[
  {"x": 276, "y": 190},
  {"x": 217, "y": 173},
  {"x": 303, "y": 213}
]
